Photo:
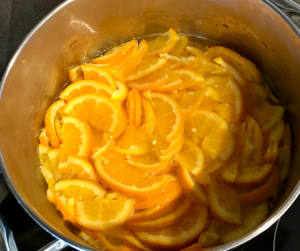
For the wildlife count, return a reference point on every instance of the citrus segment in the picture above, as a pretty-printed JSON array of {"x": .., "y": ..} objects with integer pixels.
[
  {"x": 76, "y": 74},
  {"x": 121, "y": 93},
  {"x": 191, "y": 80},
  {"x": 172, "y": 83},
  {"x": 99, "y": 143}
]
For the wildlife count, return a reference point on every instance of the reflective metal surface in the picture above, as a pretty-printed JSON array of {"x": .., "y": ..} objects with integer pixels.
[{"x": 75, "y": 31}]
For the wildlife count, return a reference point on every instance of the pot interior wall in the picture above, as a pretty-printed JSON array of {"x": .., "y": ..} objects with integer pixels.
[{"x": 75, "y": 33}]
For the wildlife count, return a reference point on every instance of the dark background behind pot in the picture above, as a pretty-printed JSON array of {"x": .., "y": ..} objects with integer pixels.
[{"x": 17, "y": 18}]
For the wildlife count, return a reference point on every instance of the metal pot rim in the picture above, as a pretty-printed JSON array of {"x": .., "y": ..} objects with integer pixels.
[{"x": 269, "y": 222}]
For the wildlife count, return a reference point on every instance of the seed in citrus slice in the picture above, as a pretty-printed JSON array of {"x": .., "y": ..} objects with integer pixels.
[
  {"x": 138, "y": 108},
  {"x": 180, "y": 234},
  {"x": 145, "y": 67},
  {"x": 77, "y": 168},
  {"x": 43, "y": 138},
  {"x": 131, "y": 142},
  {"x": 243, "y": 65},
  {"x": 268, "y": 115},
  {"x": 179, "y": 48},
  {"x": 155, "y": 212},
  {"x": 163, "y": 221},
  {"x": 135, "y": 244},
  {"x": 121, "y": 93},
  {"x": 191, "y": 79},
  {"x": 104, "y": 213},
  {"x": 162, "y": 44},
  {"x": 128, "y": 180},
  {"x": 66, "y": 207},
  {"x": 147, "y": 118},
  {"x": 76, "y": 74},
  {"x": 190, "y": 157},
  {"x": 76, "y": 136},
  {"x": 86, "y": 86},
  {"x": 224, "y": 201},
  {"x": 252, "y": 217},
  {"x": 51, "y": 114},
  {"x": 275, "y": 135},
  {"x": 152, "y": 81},
  {"x": 191, "y": 186},
  {"x": 168, "y": 115},
  {"x": 115, "y": 54},
  {"x": 253, "y": 174},
  {"x": 99, "y": 74},
  {"x": 100, "y": 112},
  {"x": 173, "y": 82}
]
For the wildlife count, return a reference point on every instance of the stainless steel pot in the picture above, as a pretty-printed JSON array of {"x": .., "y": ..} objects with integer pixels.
[{"x": 74, "y": 32}]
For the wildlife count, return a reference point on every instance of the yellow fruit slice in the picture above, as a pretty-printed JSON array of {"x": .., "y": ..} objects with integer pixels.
[
  {"x": 179, "y": 48},
  {"x": 135, "y": 244},
  {"x": 131, "y": 142},
  {"x": 191, "y": 186},
  {"x": 243, "y": 65},
  {"x": 76, "y": 136},
  {"x": 179, "y": 234},
  {"x": 115, "y": 54},
  {"x": 191, "y": 79},
  {"x": 138, "y": 109},
  {"x": 52, "y": 113},
  {"x": 145, "y": 67},
  {"x": 173, "y": 83},
  {"x": 121, "y": 93},
  {"x": 212, "y": 233},
  {"x": 86, "y": 86},
  {"x": 129, "y": 61},
  {"x": 252, "y": 217},
  {"x": 128, "y": 180},
  {"x": 231, "y": 172},
  {"x": 168, "y": 115},
  {"x": 224, "y": 202},
  {"x": 115, "y": 72},
  {"x": 99, "y": 74},
  {"x": 162, "y": 44},
  {"x": 142, "y": 49},
  {"x": 253, "y": 174},
  {"x": 268, "y": 115},
  {"x": 89, "y": 238},
  {"x": 100, "y": 112},
  {"x": 163, "y": 221},
  {"x": 104, "y": 213},
  {"x": 76, "y": 74},
  {"x": 190, "y": 157},
  {"x": 147, "y": 117},
  {"x": 131, "y": 107},
  {"x": 66, "y": 207},
  {"x": 43, "y": 138},
  {"x": 77, "y": 168}
]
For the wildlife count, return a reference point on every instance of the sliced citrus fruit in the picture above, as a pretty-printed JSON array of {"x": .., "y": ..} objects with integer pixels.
[
  {"x": 191, "y": 186},
  {"x": 138, "y": 109},
  {"x": 115, "y": 72},
  {"x": 86, "y": 86},
  {"x": 129, "y": 180},
  {"x": 224, "y": 201},
  {"x": 121, "y": 93},
  {"x": 146, "y": 66},
  {"x": 147, "y": 118},
  {"x": 77, "y": 168},
  {"x": 168, "y": 115},
  {"x": 43, "y": 138},
  {"x": 104, "y": 213},
  {"x": 191, "y": 79},
  {"x": 135, "y": 244},
  {"x": 191, "y": 157},
  {"x": 155, "y": 212},
  {"x": 252, "y": 217},
  {"x": 66, "y": 207},
  {"x": 99, "y": 74},
  {"x": 230, "y": 173},
  {"x": 131, "y": 142},
  {"x": 76, "y": 74},
  {"x": 76, "y": 136},
  {"x": 89, "y": 239},
  {"x": 131, "y": 107},
  {"x": 162, "y": 44},
  {"x": 163, "y": 221},
  {"x": 179, "y": 48},
  {"x": 243, "y": 65},
  {"x": 100, "y": 112},
  {"x": 253, "y": 174},
  {"x": 264, "y": 191},
  {"x": 173, "y": 82},
  {"x": 52, "y": 113},
  {"x": 130, "y": 61},
  {"x": 179, "y": 234},
  {"x": 99, "y": 143},
  {"x": 212, "y": 233},
  {"x": 115, "y": 54}
]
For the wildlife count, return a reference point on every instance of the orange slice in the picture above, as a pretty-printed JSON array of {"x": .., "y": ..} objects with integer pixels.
[
  {"x": 129, "y": 61},
  {"x": 163, "y": 221},
  {"x": 162, "y": 44},
  {"x": 129, "y": 180},
  {"x": 253, "y": 174},
  {"x": 76, "y": 74},
  {"x": 191, "y": 186},
  {"x": 66, "y": 207},
  {"x": 100, "y": 143},
  {"x": 224, "y": 202},
  {"x": 89, "y": 238},
  {"x": 131, "y": 107},
  {"x": 252, "y": 217},
  {"x": 86, "y": 86},
  {"x": 77, "y": 168},
  {"x": 115, "y": 72},
  {"x": 230, "y": 173},
  {"x": 191, "y": 79},
  {"x": 121, "y": 93},
  {"x": 169, "y": 121},
  {"x": 138, "y": 109},
  {"x": 212, "y": 233},
  {"x": 179, "y": 234},
  {"x": 147, "y": 117},
  {"x": 191, "y": 157},
  {"x": 76, "y": 136},
  {"x": 99, "y": 74},
  {"x": 52, "y": 113},
  {"x": 43, "y": 138},
  {"x": 145, "y": 67},
  {"x": 142, "y": 49},
  {"x": 115, "y": 54},
  {"x": 173, "y": 82},
  {"x": 135, "y": 244},
  {"x": 100, "y": 112},
  {"x": 179, "y": 48}
]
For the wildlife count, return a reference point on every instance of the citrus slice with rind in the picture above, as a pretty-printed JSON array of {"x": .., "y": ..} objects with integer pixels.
[
  {"x": 52, "y": 113},
  {"x": 129, "y": 61},
  {"x": 99, "y": 143},
  {"x": 180, "y": 234},
  {"x": 86, "y": 86},
  {"x": 253, "y": 174},
  {"x": 131, "y": 107},
  {"x": 121, "y": 93},
  {"x": 135, "y": 244},
  {"x": 179, "y": 48},
  {"x": 138, "y": 108},
  {"x": 191, "y": 79},
  {"x": 89, "y": 238},
  {"x": 43, "y": 138},
  {"x": 147, "y": 117},
  {"x": 173, "y": 82},
  {"x": 66, "y": 207},
  {"x": 128, "y": 180},
  {"x": 100, "y": 112},
  {"x": 76, "y": 74},
  {"x": 224, "y": 202}
]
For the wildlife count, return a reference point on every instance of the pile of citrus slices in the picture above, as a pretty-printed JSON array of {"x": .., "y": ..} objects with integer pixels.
[{"x": 161, "y": 144}]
